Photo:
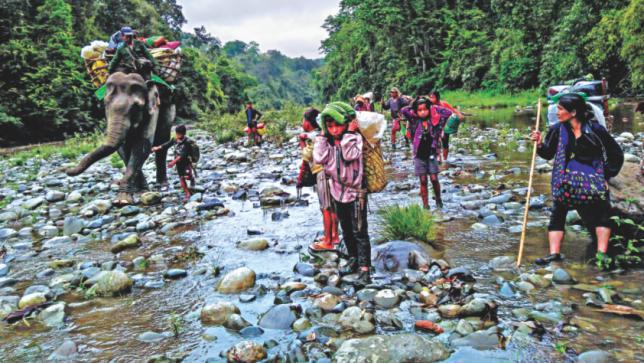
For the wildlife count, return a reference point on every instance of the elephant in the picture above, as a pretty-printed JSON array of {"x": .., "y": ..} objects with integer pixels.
[{"x": 139, "y": 115}]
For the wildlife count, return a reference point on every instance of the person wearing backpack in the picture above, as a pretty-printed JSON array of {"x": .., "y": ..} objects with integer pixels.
[
  {"x": 585, "y": 157},
  {"x": 338, "y": 149},
  {"x": 186, "y": 154},
  {"x": 132, "y": 56}
]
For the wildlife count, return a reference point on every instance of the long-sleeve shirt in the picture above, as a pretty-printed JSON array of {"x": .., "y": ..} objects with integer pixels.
[
  {"x": 342, "y": 163},
  {"x": 395, "y": 105},
  {"x": 428, "y": 132},
  {"x": 587, "y": 148},
  {"x": 182, "y": 148},
  {"x": 124, "y": 56}
]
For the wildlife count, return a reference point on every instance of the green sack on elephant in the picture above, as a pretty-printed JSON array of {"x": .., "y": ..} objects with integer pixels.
[
  {"x": 452, "y": 125},
  {"x": 100, "y": 93}
]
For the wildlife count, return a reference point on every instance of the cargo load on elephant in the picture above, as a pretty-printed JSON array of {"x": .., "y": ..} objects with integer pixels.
[{"x": 97, "y": 56}]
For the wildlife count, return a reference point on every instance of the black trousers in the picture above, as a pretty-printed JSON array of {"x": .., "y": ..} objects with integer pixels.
[
  {"x": 593, "y": 216},
  {"x": 353, "y": 221}
]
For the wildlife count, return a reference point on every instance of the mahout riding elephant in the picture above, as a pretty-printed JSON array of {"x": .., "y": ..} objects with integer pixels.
[{"x": 139, "y": 115}]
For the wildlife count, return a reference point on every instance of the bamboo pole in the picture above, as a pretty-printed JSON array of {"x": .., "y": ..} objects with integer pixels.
[{"x": 527, "y": 199}]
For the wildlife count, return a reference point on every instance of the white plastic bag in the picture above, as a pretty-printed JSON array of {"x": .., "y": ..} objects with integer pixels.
[{"x": 372, "y": 125}]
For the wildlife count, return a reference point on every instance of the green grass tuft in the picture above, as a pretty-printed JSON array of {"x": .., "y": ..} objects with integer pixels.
[
  {"x": 489, "y": 98},
  {"x": 401, "y": 223}
]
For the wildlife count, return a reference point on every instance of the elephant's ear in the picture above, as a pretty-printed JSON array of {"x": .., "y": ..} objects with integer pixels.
[{"x": 154, "y": 100}]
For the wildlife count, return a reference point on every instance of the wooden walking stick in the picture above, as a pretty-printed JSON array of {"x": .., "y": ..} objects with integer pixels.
[{"x": 527, "y": 199}]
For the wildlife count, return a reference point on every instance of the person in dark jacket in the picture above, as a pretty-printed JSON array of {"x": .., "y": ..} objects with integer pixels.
[
  {"x": 252, "y": 117},
  {"x": 395, "y": 103},
  {"x": 132, "y": 56},
  {"x": 182, "y": 158},
  {"x": 587, "y": 144}
]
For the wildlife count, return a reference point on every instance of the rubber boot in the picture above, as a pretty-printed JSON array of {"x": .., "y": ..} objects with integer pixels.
[
  {"x": 327, "y": 220},
  {"x": 445, "y": 153},
  {"x": 424, "y": 195},
  {"x": 437, "y": 193},
  {"x": 335, "y": 236}
]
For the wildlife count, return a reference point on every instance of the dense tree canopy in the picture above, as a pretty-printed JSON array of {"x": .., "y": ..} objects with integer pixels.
[{"x": 491, "y": 44}]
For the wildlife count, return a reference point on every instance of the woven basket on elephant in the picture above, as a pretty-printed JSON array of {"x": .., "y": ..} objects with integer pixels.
[
  {"x": 97, "y": 70},
  {"x": 169, "y": 61}
]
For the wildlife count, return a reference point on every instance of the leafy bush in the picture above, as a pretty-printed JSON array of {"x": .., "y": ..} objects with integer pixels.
[{"x": 400, "y": 223}]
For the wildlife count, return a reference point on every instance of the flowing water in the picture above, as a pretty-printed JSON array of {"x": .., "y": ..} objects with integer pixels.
[{"x": 107, "y": 329}]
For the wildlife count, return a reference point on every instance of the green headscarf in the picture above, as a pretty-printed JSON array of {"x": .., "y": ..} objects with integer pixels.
[{"x": 340, "y": 112}]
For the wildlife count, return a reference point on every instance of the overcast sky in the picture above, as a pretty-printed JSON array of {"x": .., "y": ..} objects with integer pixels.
[{"x": 294, "y": 27}]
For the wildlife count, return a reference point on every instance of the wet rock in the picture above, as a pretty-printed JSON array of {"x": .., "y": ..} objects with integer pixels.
[
  {"x": 481, "y": 340},
  {"x": 130, "y": 210},
  {"x": 301, "y": 324},
  {"x": 491, "y": 220},
  {"x": 506, "y": 290},
  {"x": 561, "y": 276},
  {"x": 464, "y": 327},
  {"x": 479, "y": 226},
  {"x": 98, "y": 206},
  {"x": 606, "y": 295},
  {"x": 449, "y": 311},
  {"x": 536, "y": 280},
  {"x": 395, "y": 256},
  {"x": 6, "y": 233},
  {"x": 210, "y": 203},
  {"x": 151, "y": 337},
  {"x": 279, "y": 216},
  {"x": 393, "y": 348},
  {"x": 236, "y": 322},
  {"x": 251, "y": 332},
  {"x": 246, "y": 298},
  {"x": 525, "y": 286},
  {"x": 247, "y": 352},
  {"x": 32, "y": 299},
  {"x": 327, "y": 301},
  {"x": 475, "y": 307},
  {"x": 175, "y": 273},
  {"x": 217, "y": 313},
  {"x": 48, "y": 231},
  {"x": 45, "y": 273},
  {"x": 53, "y": 316},
  {"x": 132, "y": 241},
  {"x": 4, "y": 269},
  {"x": 33, "y": 203},
  {"x": 256, "y": 244},
  {"x": 150, "y": 198},
  {"x": 545, "y": 317},
  {"x": 109, "y": 283},
  {"x": 55, "y": 242},
  {"x": 596, "y": 356},
  {"x": 38, "y": 289},
  {"x": 54, "y": 196},
  {"x": 386, "y": 298},
  {"x": 7, "y": 281},
  {"x": 154, "y": 284},
  {"x": 72, "y": 225},
  {"x": 279, "y": 317},
  {"x": 293, "y": 286},
  {"x": 8, "y": 216},
  {"x": 388, "y": 320},
  {"x": 74, "y": 196},
  {"x": 305, "y": 269},
  {"x": 58, "y": 264},
  {"x": 65, "y": 352},
  {"x": 356, "y": 319},
  {"x": 237, "y": 280},
  {"x": 366, "y": 294},
  {"x": 462, "y": 273}
]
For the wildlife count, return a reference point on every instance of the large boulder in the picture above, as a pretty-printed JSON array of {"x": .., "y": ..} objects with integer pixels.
[
  {"x": 237, "y": 280},
  {"x": 391, "y": 348},
  {"x": 109, "y": 283},
  {"x": 626, "y": 192},
  {"x": 397, "y": 256},
  {"x": 218, "y": 313}
]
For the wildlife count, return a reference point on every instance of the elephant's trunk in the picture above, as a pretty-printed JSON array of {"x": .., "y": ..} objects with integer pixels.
[{"x": 89, "y": 159}]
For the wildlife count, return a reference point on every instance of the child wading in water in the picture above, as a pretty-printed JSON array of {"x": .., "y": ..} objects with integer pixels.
[
  {"x": 339, "y": 151},
  {"x": 183, "y": 152},
  {"x": 427, "y": 143},
  {"x": 312, "y": 174}
]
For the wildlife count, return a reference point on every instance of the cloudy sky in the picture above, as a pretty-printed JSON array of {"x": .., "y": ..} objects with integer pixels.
[{"x": 291, "y": 26}]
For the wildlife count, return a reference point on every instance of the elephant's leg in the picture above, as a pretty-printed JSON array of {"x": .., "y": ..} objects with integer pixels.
[
  {"x": 139, "y": 152},
  {"x": 141, "y": 183},
  {"x": 167, "y": 114}
]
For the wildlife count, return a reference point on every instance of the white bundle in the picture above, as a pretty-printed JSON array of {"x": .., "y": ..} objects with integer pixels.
[
  {"x": 94, "y": 50},
  {"x": 372, "y": 125}
]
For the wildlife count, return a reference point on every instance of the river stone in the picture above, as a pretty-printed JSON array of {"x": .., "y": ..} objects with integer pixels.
[
  {"x": 479, "y": 226},
  {"x": 476, "y": 307},
  {"x": 8, "y": 216},
  {"x": 327, "y": 301},
  {"x": 537, "y": 280},
  {"x": 561, "y": 276},
  {"x": 65, "y": 352},
  {"x": 305, "y": 269},
  {"x": 356, "y": 319},
  {"x": 502, "y": 263},
  {"x": 6, "y": 233},
  {"x": 151, "y": 337},
  {"x": 391, "y": 348},
  {"x": 236, "y": 322},
  {"x": 366, "y": 294},
  {"x": 291, "y": 286},
  {"x": 131, "y": 241},
  {"x": 175, "y": 273},
  {"x": 150, "y": 198},
  {"x": 631, "y": 158},
  {"x": 301, "y": 324},
  {"x": 543, "y": 317},
  {"x": 33, "y": 203},
  {"x": 481, "y": 340},
  {"x": 491, "y": 220},
  {"x": 449, "y": 311},
  {"x": 97, "y": 206},
  {"x": 48, "y": 231},
  {"x": 62, "y": 280},
  {"x": 109, "y": 283},
  {"x": 217, "y": 313},
  {"x": 53, "y": 196},
  {"x": 130, "y": 210},
  {"x": 278, "y": 317},
  {"x": 257, "y": 244},
  {"x": 53, "y": 316},
  {"x": 72, "y": 225},
  {"x": 4, "y": 269},
  {"x": 74, "y": 196},
  {"x": 251, "y": 332},
  {"x": 525, "y": 286},
  {"x": 31, "y": 299},
  {"x": 246, "y": 351},
  {"x": 386, "y": 298},
  {"x": 596, "y": 356},
  {"x": 606, "y": 295},
  {"x": 506, "y": 290},
  {"x": 237, "y": 280},
  {"x": 464, "y": 327}
]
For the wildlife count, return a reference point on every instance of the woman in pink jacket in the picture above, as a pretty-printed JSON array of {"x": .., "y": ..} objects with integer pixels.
[{"x": 339, "y": 151}]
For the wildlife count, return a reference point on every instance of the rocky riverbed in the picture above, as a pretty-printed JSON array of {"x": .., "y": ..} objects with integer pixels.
[{"x": 226, "y": 276}]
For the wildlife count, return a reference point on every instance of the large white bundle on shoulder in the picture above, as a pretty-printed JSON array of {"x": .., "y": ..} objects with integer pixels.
[{"x": 372, "y": 125}]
